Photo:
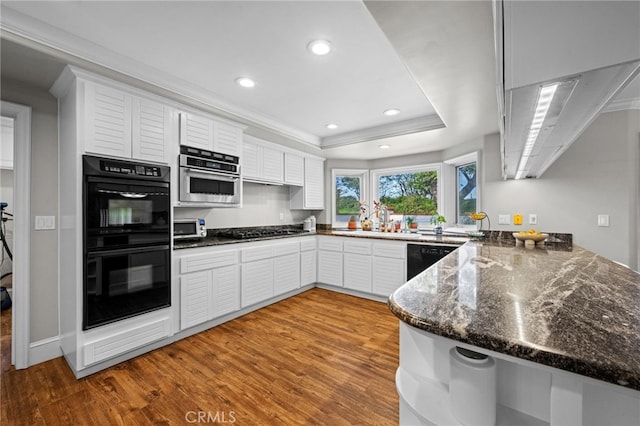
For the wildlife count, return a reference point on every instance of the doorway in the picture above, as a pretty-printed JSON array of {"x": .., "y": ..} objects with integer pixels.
[{"x": 21, "y": 210}]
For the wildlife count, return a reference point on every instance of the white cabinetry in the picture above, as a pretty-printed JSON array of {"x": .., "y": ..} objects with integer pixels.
[
  {"x": 308, "y": 261},
  {"x": 262, "y": 162},
  {"x": 330, "y": 261},
  {"x": 389, "y": 266},
  {"x": 357, "y": 264},
  {"x": 269, "y": 270},
  {"x": 209, "y": 285},
  {"x": 293, "y": 169},
  {"x": 121, "y": 124},
  {"x": 311, "y": 195},
  {"x": 200, "y": 131}
]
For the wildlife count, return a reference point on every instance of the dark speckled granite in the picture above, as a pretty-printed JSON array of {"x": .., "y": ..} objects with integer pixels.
[
  {"x": 568, "y": 309},
  {"x": 215, "y": 237}
]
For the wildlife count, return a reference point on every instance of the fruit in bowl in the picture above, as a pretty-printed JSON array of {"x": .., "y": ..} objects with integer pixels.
[
  {"x": 477, "y": 216},
  {"x": 531, "y": 235}
]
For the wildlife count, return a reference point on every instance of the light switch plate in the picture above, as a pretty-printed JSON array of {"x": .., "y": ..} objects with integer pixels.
[
  {"x": 533, "y": 219},
  {"x": 45, "y": 222},
  {"x": 504, "y": 219},
  {"x": 603, "y": 220}
]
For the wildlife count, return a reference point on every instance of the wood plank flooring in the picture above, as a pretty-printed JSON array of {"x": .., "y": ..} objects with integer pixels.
[{"x": 320, "y": 358}]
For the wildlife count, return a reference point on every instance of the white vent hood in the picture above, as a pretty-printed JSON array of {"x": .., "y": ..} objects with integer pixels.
[{"x": 591, "y": 48}]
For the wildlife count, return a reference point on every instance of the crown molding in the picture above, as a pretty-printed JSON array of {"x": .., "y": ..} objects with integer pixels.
[
  {"x": 399, "y": 128},
  {"x": 74, "y": 50}
]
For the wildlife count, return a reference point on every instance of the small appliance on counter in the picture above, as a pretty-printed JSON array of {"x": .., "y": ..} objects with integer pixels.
[
  {"x": 185, "y": 229},
  {"x": 309, "y": 224}
]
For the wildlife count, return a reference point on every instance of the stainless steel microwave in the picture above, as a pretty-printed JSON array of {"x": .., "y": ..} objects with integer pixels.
[
  {"x": 189, "y": 229},
  {"x": 208, "y": 177}
]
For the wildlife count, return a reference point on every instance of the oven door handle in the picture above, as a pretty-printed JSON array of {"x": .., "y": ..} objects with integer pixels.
[
  {"x": 116, "y": 252},
  {"x": 219, "y": 175}
]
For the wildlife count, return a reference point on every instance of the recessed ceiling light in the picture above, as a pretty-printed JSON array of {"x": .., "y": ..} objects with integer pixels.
[
  {"x": 391, "y": 111},
  {"x": 245, "y": 82},
  {"x": 384, "y": 146},
  {"x": 332, "y": 126},
  {"x": 319, "y": 47}
]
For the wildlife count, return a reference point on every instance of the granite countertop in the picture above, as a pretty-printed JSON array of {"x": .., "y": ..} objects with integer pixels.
[
  {"x": 417, "y": 237},
  {"x": 565, "y": 308},
  {"x": 216, "y": 238}
]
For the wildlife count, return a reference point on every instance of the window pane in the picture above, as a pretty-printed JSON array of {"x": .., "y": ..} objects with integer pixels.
[
  {"x": 410, "y": 194},
  {"x": 467, "y": 194},
  {"x": 348, "y": 190}
]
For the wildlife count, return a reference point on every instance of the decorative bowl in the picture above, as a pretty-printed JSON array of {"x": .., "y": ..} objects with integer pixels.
[{"x": 537, "y": 237}]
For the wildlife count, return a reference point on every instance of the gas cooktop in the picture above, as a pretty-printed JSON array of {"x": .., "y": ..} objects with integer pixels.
[{"x": 244, "y": 234}]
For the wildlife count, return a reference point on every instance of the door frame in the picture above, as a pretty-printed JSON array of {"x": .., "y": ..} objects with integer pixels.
[{"x": 20, "y": 335}]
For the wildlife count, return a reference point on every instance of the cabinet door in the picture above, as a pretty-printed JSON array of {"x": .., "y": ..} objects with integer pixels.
[
  {"x": 293, "y": 169},
  {"x": 272, "y": 165},
  {"x": 388, "y": 275},
  {"x": 357, "y": 272},
  {"x": 286, "y": 273},
  {"x": 226, "y": 290},
  {"x": 151, "y": 123},
  {"x": 227, "y": 138},
  {"x": 107, "y": 121},
  {"x": 308, "y": 267},
  {"x": 330, "y": 267},
  {"x": 257, "y": 281},
  {"x": 313, "y": 184},
  {"x": 196, "y": 131},
  {"x": 251, "y": 161},
  {"x": 195, "y": 299}
]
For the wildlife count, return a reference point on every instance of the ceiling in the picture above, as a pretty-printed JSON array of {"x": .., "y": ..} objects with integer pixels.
[{"x": 432, "y": 60}]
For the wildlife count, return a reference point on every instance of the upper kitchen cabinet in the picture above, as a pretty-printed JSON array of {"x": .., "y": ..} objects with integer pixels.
[
  {"x": 212, "y": 134},
  {"x": 311, "y": 195},
  {"x": 262, "y": 162},
  {"x": 558, "y": 65},
  {"x": 116, "y": 121},
  {"x": 293, "y": 169}
]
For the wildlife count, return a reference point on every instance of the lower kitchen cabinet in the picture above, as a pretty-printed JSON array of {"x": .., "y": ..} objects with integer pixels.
[
  {"x": 389, "y": 266},
  {"x": 257, "y": 281},
  {"x": 330, "y": 260},
  {"x": 269, "y": 270},
  {"x": 308, "y": 261},
  {"x": 209, "y": 285},
  {"x": 357, "y": 272}
]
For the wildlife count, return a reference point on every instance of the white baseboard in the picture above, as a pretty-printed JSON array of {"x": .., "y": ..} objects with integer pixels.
[{"x": 44, "y": 350}]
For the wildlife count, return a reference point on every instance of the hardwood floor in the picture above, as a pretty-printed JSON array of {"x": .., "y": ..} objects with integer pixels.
[{"x": 317, "y": 358}]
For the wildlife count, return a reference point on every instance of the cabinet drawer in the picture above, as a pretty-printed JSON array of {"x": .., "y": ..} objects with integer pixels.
[
  {"x": 308, "y": 244},
  {"x": 357, "y": 246},
  {"x": 330, "y": 244},
  {"x": 256, "y": 253},
  {"x": 395, "y": 250},
  {"x": 287, "y": 248},
  {"x": 201, "y": 262}
]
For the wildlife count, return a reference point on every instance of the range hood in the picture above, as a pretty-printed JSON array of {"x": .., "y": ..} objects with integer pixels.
[{"x": 575, "y": 56}]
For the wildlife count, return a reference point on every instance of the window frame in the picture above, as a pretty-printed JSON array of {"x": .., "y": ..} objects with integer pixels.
[
  {"x": 452, "y": 166},
  {"x": 437, "y": 167},
  {"x": 363, "y": 174}
]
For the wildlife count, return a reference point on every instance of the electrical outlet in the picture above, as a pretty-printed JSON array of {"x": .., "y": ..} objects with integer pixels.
[
  {"x": 281, "y": 216},
  {"x": 517, "y": 219},
  {"x": 533, "y": 219},
  {"x": 504, "y": 219}
]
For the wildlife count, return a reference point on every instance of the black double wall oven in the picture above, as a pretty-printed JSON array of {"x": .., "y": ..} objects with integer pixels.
[{"x": 127, "y": 235}]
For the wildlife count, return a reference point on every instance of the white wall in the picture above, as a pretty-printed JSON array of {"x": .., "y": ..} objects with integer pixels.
[
  {"x": 44, "y": 202},
  {"x": 261, "y": 206},
  {"x": 597, "y": 175}
]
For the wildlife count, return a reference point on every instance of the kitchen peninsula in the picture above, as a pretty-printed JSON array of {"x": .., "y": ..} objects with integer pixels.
[{"x": 563, "y": 326}]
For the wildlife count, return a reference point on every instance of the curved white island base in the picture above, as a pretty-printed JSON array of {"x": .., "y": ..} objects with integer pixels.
[{"x": 527, "y": 393}]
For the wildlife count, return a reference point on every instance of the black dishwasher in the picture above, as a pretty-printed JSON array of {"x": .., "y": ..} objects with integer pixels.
[{"x": 421, "y": 256}]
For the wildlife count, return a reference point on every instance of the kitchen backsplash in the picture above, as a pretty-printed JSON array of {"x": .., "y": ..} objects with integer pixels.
[{"x": 262, "y": 205}]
